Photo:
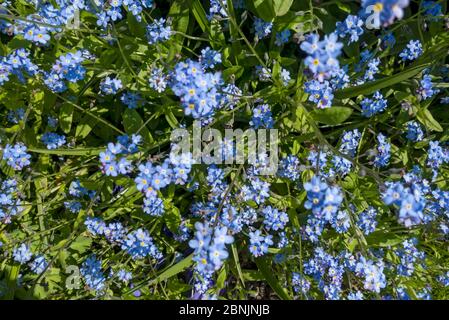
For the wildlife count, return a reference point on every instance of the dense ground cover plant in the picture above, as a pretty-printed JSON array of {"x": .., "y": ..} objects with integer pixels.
[{"x": 95, "y": 203}]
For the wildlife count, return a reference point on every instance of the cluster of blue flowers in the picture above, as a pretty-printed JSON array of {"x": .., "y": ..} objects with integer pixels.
[
  {"x": 324, "y": 201},
  {"x": 414, "y": 131},
  {"x": 132, "y": 100},
  {"x": 262, "y": 117},
  {"x": 67, "y": 67},
  {"x": 124, "y": 276},
  {"x": 77, "y": 191},
  {"x": 322, "y": 61},
  {"x": 373, "y": 274},
  {"x": 210, "y": 58},
  {"x": 367, "y": 221},
  {"x": 351, "y": 27},
  {"x": 318, "y": 160},
  {"x": 436, "y": 156},
  {"x": 432, "y": 9},
  {"x": 53, "y": 140},
  {"x": 39, "y": 264},
  {"x": 329, "y": 270},
  {"x": 210, "y": 249},
  {"x": 158, "y": 31},
  {"x": 410, "y": 203},
  {"x": 107, "y": 11},
  {"x": 274, "y": 219},
  {"x": 262, "y": 28},
  {"x": 73, "y": 206},
  {"x": 256, "y": 190},
  {"x": 198, "y": 90},
  {"x": 110, "y": 86},
  {"x": 382, "y": 13},
  {"x": 16, "y": 63},
  {"x": 22, "y": 254},
  {"x": 383, "y": 154},
  {"x": 339, "y": 165},
  {"x": 426, "y": 89},
  {"x": 300, "y": 283},
  {"x": 139, "y": 245},
  {"x": 92, "y": 273},
  {"x": 10, "y": 202},
  {"x": 349, "y": 144},
  {"x": 16, "y": 156},
  {"x": 373, "y": 106},
  {"x": 409, "y": 256},
  {"x": 96, "y": 278},
  {"x": 217, "y": 8},
  {"x": 412, "y": 51},
  {"x": 372, "y": 70},
  {"x": 444, "y": 279},
  {"x": 263, "y": 73},
  {"x": 111, "y": 162},
  {"x": 153, "y": 178},
  {"x": 15, "y": 116},
  {"x": 282, "y": 37},
  {"x": 48, "y": 19},
  {"x": 259, "y": 244},
  {"x": 290, "y": 168},
  {"x": 158, "y": 80},
  {"x": 321, "y": 207},
  {"x": 320, "y": 93}
]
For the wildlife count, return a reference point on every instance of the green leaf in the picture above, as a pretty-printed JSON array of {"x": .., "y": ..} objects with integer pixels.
[
  {"x": 426, "y": 118},
  {"x": 221, "y": 279},
  {"x": 11, "y": 276},
  {"x": 216, "y": 35},
  {"x": 179, "y": 12},
  {"x": 200, "y": 15},
  {"x": 252, "y": 275},
  {"x": 383, "y": 239},
  {"x": 262, "y": 264},
  {"x": 39, "y": 292},
  {"x": 173, "y": 270},
  {"x": 402, "y": 96},
  {"x": 84, "y": 127},
  {"x": 171, "y": 119},
  {"x": 373, "y": 86},
  {"x": 235, "y": 256},
  {"x": 235, "y": 71},
  {"x": 66, "y": 117},
  {"x": 41, "y": 187},
  {"x": 172, "y": 218},
  {"x": 298, "y": 23},
  {"x": 133, "y": 123},
  {"x": 135, "y": 27},
  {"x": 80, "y": 219},
  {"x": 81, "y": 244},
  {"x": 264, "y": 9},
  {"x": 281, "y": 7},
  {"x": 293, "y": 216},
  {"x": 343, "y": 7},
  {"x": 331, "y": 116},
  {"x": 69, "y": 152}
]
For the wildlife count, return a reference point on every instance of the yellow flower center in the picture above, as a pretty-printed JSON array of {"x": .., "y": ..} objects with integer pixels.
[{"x": 378, "y": 7}]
